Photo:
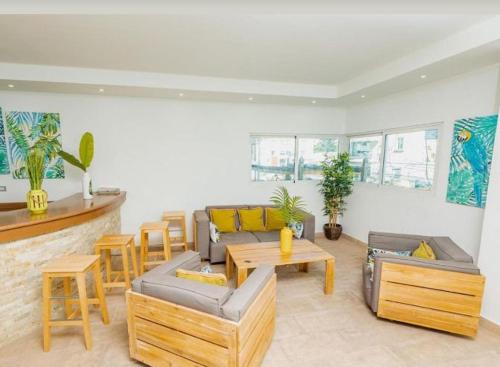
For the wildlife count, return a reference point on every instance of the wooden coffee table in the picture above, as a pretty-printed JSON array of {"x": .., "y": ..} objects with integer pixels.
[{"x": 249, "y": 256}]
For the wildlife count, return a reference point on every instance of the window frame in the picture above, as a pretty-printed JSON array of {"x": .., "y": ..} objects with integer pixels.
[
  {"x": 405, "y": 129},
  {"x": 296, "y": 137}
]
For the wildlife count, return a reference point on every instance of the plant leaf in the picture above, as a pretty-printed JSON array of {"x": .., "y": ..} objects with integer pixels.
[
  {"x": 71, "y": 159},
  {"x": 87, "y": 149}
]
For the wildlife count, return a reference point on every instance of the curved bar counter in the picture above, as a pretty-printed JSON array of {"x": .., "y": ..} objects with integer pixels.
[{"x": 70, "y": 226}]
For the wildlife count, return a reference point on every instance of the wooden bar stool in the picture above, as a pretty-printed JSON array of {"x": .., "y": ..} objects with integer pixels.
[
  {"x": 67, "y": 267},
  {"x": 121, "y": 242},
  {"x": 146, "y": 229},
  {"x": 177, "y": 225}
]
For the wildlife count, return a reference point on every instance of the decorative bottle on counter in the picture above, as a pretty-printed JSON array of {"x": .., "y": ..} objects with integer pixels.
[{"x": 87, "y": 186}]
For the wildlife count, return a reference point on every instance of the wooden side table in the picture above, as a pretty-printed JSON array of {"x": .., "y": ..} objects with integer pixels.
[
  {"x": 67, "y": 267},
  {"x": 177, "y": 225},
  {"x": 121, "y": 242},
  {"x": 146, "y": 229}
]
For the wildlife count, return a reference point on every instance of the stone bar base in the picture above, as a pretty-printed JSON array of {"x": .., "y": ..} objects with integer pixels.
[{"x": 21, "y": 279}]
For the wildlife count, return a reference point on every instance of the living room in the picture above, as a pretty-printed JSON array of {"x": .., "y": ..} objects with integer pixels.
[{"x": 190, "y": 116}]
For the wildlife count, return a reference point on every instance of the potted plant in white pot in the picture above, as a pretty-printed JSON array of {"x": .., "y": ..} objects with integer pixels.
[
  {"x": 336, "y": 186},
  {"x": 86, "y": 152}
]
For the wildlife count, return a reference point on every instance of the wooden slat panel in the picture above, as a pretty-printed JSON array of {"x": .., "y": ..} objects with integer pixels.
[
  {"x": 431, "y": 298},
  {"x": 199, "y": 324},
  {"x": 255, "y": 311},
  {"x": 259, "y": 337},
  {"x": 452, "y": 322},
  {"x": 181, "y": 344},
  {"x": 432, "y": 278},
  {"x": 261, "y": 346},
  {"x": 154, "y": 356}
]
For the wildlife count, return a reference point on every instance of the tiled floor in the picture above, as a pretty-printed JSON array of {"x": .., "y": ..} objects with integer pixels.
[{"x": 312, "y": 330}]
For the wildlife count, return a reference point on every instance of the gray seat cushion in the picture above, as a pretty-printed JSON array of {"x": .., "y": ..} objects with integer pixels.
[
  {"x": 218, "y": 250},
  {"x": 241, "y": 299},
  {"x": 196, "y": 295},
  {"x": 188, "y": 260},
  {"x": 267, "y": 236}
]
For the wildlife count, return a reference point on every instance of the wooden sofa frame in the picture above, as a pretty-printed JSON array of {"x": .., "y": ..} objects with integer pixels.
[
  {"x": 438, "y": 299},
  {"x": 166, "y": 334}
]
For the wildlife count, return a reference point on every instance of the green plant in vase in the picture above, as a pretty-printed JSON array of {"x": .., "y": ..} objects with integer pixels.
[
  {"x": 36, "y": 198},
  {"x": 291, "y": 209},
  {"x": 336, "y": 186},
  {"x": 86, "y": 153}
]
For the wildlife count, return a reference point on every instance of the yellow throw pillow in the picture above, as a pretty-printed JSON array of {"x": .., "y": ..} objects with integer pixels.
[
  {"x": 274, "y": 219},
  {"x": 224, "y": 219},
  {"x": 252, "y": 220},
  {"x": 208, "y": 278},
  {"x": 424, "y": 251}
]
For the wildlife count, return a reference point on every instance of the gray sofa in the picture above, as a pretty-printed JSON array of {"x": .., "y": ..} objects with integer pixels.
[
  {"x": 216, "y": 252},
  {"x": 224, "y": 302},
  {"x": 449, "y": 256}
]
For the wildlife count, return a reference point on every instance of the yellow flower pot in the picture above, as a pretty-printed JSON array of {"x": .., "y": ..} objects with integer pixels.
[
  {"x": 37, "y": 201},
  {"x": 286, "y": 236}
]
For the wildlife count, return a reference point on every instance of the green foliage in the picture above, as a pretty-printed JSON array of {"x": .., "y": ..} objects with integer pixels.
[
  {"x": 86, "y": 153},
  {"x": 290, "y": 207},
  {"x": 336, "y": 185},
  {"x": 35, "y": 166}
]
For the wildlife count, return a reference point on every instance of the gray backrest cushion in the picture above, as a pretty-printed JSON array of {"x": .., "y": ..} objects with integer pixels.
[
  {"x": 196, "y": 295},
  {"x": 446, "y": 249},
  {"x": 395, "y": 241},
  {"x": 234, "y": 309},
  {"x": 188, "y": 260}
]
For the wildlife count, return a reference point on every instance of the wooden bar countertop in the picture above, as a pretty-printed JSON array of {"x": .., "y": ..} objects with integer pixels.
[{"x": 64, "y": 213}]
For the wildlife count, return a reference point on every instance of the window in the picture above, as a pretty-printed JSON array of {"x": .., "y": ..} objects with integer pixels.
[
  {"x": 274, "y": 157},
  {"x": 412, "y": 163},
  {"x": 312, "y": 151},
  {"x": 365, "y": 154}
]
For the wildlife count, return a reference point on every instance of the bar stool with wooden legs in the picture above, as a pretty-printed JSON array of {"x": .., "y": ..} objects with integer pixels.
[
  {"x": 146, "y": 230},
  {"x": 177, "y": 225},
  {"x": 67, "y": 267},
  {"x": 121, "y": 242}
]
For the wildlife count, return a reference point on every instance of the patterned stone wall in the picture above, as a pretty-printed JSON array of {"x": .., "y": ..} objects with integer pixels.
[{"x": 20, "y": 276}]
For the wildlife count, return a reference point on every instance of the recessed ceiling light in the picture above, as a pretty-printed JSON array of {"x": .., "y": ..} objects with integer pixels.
[
  {"x": 250, "y": 98},
  {"x": 363, "y": 96},
  {"x": 423, "y": 76},
  {"x": 101, "y": 90},
  {"x": 313, "y": 102},
  {"x": 181, "y": 94},
  {"x": 11, "y": 86}
]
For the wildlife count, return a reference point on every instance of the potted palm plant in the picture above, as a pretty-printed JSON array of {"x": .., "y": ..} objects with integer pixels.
[
  {"x": 336, "y": 186},
  {"x": 86, "y": 152},
  {"x": 291, "y": 209},
  {"x": 36, "y": 198}
]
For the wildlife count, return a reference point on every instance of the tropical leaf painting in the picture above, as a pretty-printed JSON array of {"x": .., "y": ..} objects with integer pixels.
[
  {"x": 26, "y": 130},
  {"x": 4, "y": 159},
  {"x": 471, "y": 153}
]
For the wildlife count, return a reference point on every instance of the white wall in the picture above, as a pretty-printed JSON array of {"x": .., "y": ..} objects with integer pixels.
[
  {"x": 489, "y": 253},
  {"x": 170, "y": 154},
  {"x": 409, "y": 211}
]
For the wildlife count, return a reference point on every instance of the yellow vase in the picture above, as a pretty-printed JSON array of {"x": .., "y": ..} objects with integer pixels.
[
  {"x": 286, "y": 236},
  {"x": 37, "y": 201}
]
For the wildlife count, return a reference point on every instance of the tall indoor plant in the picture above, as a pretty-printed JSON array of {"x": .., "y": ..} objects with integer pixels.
[
  {"x": 36, "y": 198},
  {"x": 86, "y": 153},
  {"x": 291, "y": 209},
  {"x": 336, "y": 186}
]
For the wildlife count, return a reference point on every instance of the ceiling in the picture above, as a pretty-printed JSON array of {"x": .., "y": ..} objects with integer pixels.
[
  {"x": 311, "y": 56},
  {"x": 290, "y": 49}
]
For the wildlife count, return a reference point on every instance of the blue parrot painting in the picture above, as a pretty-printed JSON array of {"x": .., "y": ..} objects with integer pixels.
[{"x": 472, "y": 152}]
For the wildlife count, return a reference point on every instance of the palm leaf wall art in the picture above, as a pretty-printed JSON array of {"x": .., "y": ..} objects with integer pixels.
[
  {"x": 4, "y": 159},
  {"x": 471, "y": 154},
  {"x": 26, "y": 130}
]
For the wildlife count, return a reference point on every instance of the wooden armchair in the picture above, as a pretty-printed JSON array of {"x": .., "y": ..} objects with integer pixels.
[{"x": 164, "y": 333}]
